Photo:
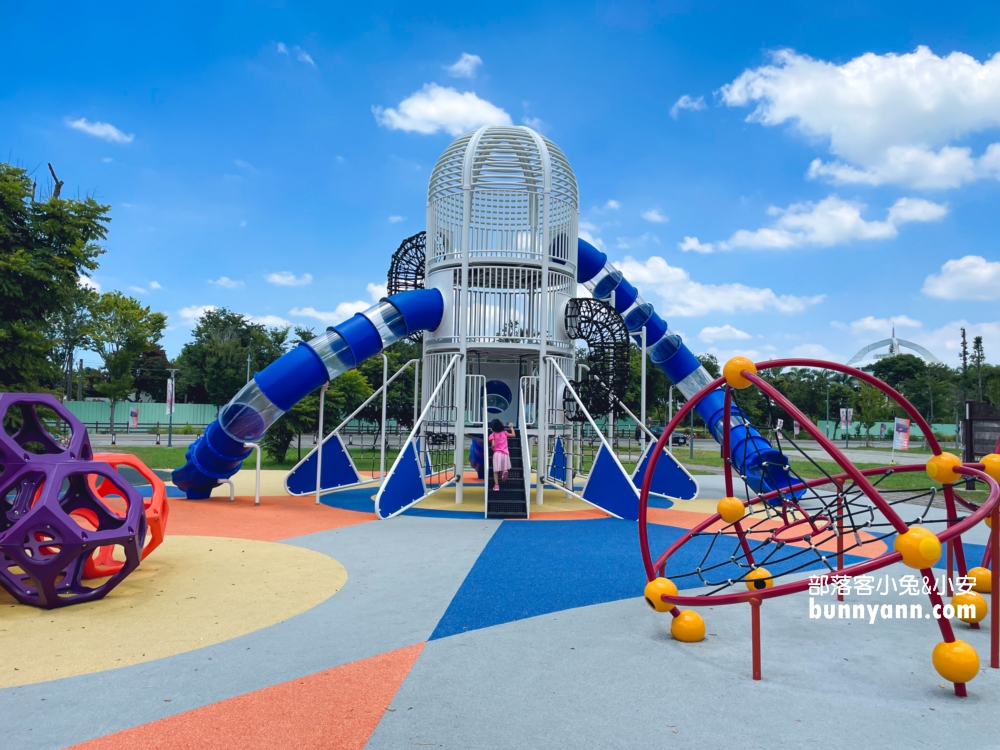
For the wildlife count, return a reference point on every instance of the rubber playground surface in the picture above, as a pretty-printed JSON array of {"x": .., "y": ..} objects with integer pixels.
[{"x": 296, "y": 625}]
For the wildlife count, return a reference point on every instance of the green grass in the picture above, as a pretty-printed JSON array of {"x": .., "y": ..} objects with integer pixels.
[{"x": 161, "y": 457}]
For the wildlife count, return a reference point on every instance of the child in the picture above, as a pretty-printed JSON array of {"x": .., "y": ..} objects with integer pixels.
[{"x": 501, "y": 453}]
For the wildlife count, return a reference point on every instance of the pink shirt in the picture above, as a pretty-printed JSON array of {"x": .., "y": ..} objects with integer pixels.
[{"x": 499, "y": 440}]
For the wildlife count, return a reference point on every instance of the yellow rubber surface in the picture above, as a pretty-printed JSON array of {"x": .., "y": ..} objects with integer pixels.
[{"x": 192, "y": 592}]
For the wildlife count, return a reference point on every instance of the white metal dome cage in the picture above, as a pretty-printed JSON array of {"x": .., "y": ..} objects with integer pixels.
[{"x": 502, "y": 215}]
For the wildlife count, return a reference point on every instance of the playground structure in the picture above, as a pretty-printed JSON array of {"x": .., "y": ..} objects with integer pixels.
[
  {"x": 66, "y": 511},
  {"x": 814, "y": 524},
  {"x": 491, "y": 291}
]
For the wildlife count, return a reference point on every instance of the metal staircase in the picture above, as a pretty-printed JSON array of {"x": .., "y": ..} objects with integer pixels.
[{"x": 510, "y": 501}]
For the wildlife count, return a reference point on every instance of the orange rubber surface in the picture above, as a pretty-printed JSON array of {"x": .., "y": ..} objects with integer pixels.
[
  {"x": 337, "y": 708},
  {"x": 278, "y": 517}
]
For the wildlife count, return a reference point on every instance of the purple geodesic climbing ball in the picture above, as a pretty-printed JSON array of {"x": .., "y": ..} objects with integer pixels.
[{"x": 52, "y": 518}]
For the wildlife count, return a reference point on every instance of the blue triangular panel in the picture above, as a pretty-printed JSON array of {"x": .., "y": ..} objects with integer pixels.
[
  {"x": 668, "y": 479},
  {"x": 558, "y": 468},
  {"x": 609, "y": 487},
  {"x": 337, "y": 469},
  {"x": 403, "y": 487}
]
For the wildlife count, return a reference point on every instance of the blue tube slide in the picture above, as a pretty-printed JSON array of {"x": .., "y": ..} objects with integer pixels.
[
  {"x": 762, "y": 465},
  {"x": 219, "y": 453}
]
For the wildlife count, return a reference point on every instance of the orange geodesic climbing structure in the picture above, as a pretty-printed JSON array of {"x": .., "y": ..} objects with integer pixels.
[{"x": 102, "y": 563}]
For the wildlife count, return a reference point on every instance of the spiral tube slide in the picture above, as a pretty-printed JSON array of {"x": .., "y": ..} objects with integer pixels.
[
  {"x": 755, "y": 459},
  {"x": 219, "y": 453}
]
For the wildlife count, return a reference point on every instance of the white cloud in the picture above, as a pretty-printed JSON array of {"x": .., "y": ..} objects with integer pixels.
[
  {"x": 887, "y": 118},
  {"x": 711, "y": 334},
  {"x": 815, "y": 351},
  {"x": 138, "y": 290},
  {"x": 465, "y": 66},
  {"x": 192, "y": 314},
  {"x": 654, "y": 215},
  {"x": 306, "y": 58},
  {"x": 104, "y": 130},
  {"x": 345, "y": 309},
  {"x": 270, "y": 321},
  {"x": 831, "y": 221},
  {"x": 536, "y": 123},
  {"x": 396, "y": 219},
  {"x": 945, "y": 343},
  {"x": 693, "y": 244},
  {"x": 282, "y": 49},
  {"x": 629, "y": 243},
  {"x": 871, "y": 324},
  {"x": 155, "y": 285},
  {"x": 287, "y": 278},
  {"x": 88, "y": 283},
  {"x": 435, "y": 108},
  {"x": 613, "y": 204},
  {"x": 586, "y": 232},
  {"x": 684, "y": 297},
  {"x": 724, "y": 355},
  {"x": 226, "y": 283},
  {"x": 969, "y": 277},
  {"x": 243, "y": 223},
  {"x": 686, "y": 102}
]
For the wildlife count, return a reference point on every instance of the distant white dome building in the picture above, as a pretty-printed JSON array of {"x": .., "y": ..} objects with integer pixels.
[{"x": 892, "y": 346}]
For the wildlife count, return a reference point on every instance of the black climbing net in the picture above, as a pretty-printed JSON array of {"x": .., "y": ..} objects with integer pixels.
[
  {"x": 607, "y": 337},
  {"x": 796, "y": 527},
  {"x": 406, "y": 271}
]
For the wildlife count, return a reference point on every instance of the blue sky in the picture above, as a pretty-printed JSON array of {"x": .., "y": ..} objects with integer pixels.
[{"x": 778, "y": 178}]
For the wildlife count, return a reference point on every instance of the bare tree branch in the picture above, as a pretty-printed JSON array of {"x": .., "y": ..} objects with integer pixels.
[{"x": 59, "y": 183}]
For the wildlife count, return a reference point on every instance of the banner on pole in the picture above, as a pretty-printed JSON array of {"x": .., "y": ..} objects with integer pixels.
[
  {"x": 133, "y": 417},
  {"x": 170, "y": 396},
  {"x": 796, "y": 427},
  {"x": 881, "y": 431},
  {"x": 781, "y": 423},
  {"x": 901, "y": 435}
]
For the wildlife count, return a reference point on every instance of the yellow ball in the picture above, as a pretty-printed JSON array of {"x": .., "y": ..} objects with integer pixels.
[
  {"x": 919, "y": 547},
  {"x": 688, "y": 627},
  {"x": 655, "y": 589},
  {"x": 758, "y": 579},
  {"x": 732, "y": 372},
  {"x": 956, "y": 661},
  {"x": 991, "y": 465},
  {"x": 976, "y": 600},
  {"x": 730, "y": 509},
  {"x": 984, "y": 579},
  {"x": 941, "y": 468}
]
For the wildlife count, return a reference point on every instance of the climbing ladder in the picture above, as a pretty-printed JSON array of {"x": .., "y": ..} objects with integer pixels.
[{"x": 511, "y": 501}]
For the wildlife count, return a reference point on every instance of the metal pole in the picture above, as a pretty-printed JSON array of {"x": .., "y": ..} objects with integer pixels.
[
  {"x": 248, "y": 365},
  {"x": 670, "y": 400},
  {"x": 319, "y": 448},
  {"x": 828, "y": 410},
  {"x": 256, "y": 495},
  {"x": 691, "y": 441},
  {"x": 385, "y": 388},
  {"x": 79, "y": 384},
  {"x": 642, "y": 397},
  {"x": 170, "y": 423}
]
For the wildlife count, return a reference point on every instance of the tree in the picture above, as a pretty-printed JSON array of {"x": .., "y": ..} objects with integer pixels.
[
  {"x": 149, "y": 373},
  {"x": 895, "y": 371},
  {"x": 213, "y": 365},
  {"x": 69, "y": 329},
  {"x": 45, "y": 247},
  {"x": 122, "y": 330},
  {"x": 978, "y": 360},
  {"x": 871, "y": 406}
]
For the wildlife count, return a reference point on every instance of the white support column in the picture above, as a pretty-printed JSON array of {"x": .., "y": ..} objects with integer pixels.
[
  {"x": 385, "y": 390},
  {"x": 319, "y": 447},
  {"x": 642, "y": 398}
]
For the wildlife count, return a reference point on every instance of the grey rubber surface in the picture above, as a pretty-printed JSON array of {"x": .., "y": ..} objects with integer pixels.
[
  {"x": 401, "y": 577},
  {"x": 611, "y": 676}
]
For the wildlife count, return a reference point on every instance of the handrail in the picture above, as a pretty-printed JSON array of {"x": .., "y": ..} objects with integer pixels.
[
  {"x": 525, "y": 453},
  {"x": 352, "y": 415},
  {"x": 486, "y": 452},
  {"x": 416, "y": 427},
  {"x": 256, "y": 494}
]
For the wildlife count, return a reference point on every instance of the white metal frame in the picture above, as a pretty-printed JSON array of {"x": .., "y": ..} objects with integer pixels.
[
  {"x": 413, "y": 433},
  {"x": 339, "y": 427},
  {"x": 604, "y": 442}
]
